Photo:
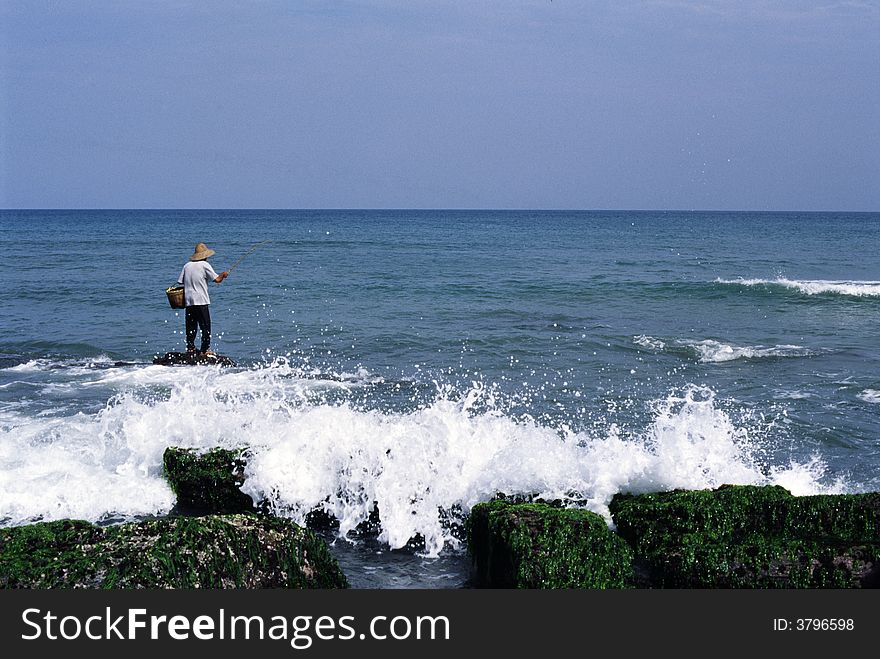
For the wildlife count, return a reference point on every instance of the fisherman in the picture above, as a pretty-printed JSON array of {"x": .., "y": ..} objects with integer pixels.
[{"x": 194, "y": 277}]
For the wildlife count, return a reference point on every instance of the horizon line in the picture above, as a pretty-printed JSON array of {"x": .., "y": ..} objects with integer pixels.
[{"x": 451, "y": 209}]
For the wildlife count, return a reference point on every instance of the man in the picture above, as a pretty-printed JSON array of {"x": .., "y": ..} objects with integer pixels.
[{"x": 195, "y": 277}]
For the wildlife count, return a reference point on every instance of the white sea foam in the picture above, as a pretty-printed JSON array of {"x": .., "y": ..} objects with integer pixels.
[
  {"x": 870, "y": 396},
  {"x": 309, "y": 453},
  {"x": 800, "y": 478},
  {"x": 814, "y": 286},
  {"x": 711, "y": 351},
  {"x": 48, "y": 364},
  {"x": 31, "y": 366},
  {"x": 793, "y": 394},
  {"x": 649, "y": 342}
]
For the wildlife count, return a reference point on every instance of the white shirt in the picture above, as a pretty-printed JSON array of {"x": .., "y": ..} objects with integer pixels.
[{"x": 195, "y": 277}]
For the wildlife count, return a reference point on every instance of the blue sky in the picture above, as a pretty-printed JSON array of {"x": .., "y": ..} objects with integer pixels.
[{"x": 474, "y": 104}]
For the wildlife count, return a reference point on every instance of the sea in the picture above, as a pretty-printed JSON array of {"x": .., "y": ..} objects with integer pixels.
[{"x": 417, "y": 362}]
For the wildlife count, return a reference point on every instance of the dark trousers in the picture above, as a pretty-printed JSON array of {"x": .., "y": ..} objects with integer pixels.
[{"x": 198, "y": 316}]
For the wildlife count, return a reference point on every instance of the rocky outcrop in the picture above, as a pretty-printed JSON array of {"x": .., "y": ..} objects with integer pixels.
[
  {"x": 534, "y": 545},
  {"x": 192, "y": 359},
  {"x": 235, "y": 551},
  {"x": 207, "y": 483},
  {"x": 732, "y": 537},
  {"x": 752, "y": 537}
]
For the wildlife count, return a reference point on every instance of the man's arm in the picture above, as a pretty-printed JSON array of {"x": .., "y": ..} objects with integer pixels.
[{"x": 219, "y": 278}]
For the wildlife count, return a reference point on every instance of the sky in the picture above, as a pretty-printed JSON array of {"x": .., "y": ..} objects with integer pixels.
[{"x": 538, "y": 104}]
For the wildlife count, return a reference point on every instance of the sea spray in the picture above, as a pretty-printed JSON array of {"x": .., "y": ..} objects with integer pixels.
[{"x": 313, "y": 447}]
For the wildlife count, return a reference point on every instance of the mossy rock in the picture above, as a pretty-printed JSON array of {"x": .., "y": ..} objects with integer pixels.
[
  {"x": 732, "y": 512},
  {"x": 768, "y": 562},
  {"x": 749, "y": 536},
  {"x": 235, "y": 551},
  {"x": 209, "y": 482},
  {"x": 539, "y": 546}
]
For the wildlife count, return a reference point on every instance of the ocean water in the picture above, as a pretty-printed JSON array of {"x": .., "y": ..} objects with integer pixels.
[{"x": 422, "y": 361}]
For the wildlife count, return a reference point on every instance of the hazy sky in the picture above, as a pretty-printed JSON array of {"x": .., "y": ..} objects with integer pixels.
[{"x": 718, "y": 104}]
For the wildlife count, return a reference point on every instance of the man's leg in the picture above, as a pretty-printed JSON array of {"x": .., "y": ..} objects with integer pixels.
[
  {"x": 205, "y": 326},
  {"x": 191, "y": 325}
]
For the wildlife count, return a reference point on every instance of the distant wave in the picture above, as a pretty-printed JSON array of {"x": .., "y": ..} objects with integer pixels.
[
  {"x": 813, "y": 286},
  {"x": 870, "y": 396},
  {"x": 713, "y": 352},
  {"x": 649, "y": 342},
  {"x": 716, "y": 351}
]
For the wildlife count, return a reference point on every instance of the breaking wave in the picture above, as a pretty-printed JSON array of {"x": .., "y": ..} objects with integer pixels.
[
  {"x": 649, "y": 342},
  {"x": 813, "y": 286},
  {"x": 711, "y": 351},
  {"x": 418, "y": 466}
]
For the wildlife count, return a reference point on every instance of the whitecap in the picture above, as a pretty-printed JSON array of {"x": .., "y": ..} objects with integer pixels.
[
  {"x": 711, "y": 351},
  {"x": 649, "y": 342},
  {"x": 814, "y": 286},
  {"x": 32, "y": 366}
]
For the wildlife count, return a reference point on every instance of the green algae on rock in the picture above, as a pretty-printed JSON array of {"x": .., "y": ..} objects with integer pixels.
[
  {"x": 234, "y": 551},
  {"x": 207, "y": 482},
  {"x": 753, "y": 537},
  {"x": 535, "y": 545}
]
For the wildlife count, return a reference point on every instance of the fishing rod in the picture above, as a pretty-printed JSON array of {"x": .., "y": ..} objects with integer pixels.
[{"x": 248, "y": 253}]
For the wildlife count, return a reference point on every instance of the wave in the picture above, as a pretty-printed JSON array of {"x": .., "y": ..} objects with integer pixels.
[
  {"x": 710, "y": 351},
  {"x": 418, "y": 467},
  {"x": 714, "y": 352},
  {"x": 813, "y": 286},
  {"x": 644, "y": 341},
  {"x": 870, "y": 396},
  {"x": 43, "y": 364}
]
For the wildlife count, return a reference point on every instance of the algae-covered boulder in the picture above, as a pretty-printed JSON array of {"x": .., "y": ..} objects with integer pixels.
[
  {"x": 753, "y": 537},
  {"x": 235, "y": 551},
  {"x": 539, "y": 546},
  {"x": 207, "y": 482}
]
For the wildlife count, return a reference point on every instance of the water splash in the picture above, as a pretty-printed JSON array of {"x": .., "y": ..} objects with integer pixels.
[{"x": 311, "y": 449}]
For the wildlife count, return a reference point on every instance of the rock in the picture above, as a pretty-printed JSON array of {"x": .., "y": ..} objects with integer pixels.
[
  {"x": 752, "y": 537},
  {"x": 192, "y": 359},
  {"x": 235, "y": 551},
  {"x": 207, "y": 483},
  {"x": 535, "y": 545}
]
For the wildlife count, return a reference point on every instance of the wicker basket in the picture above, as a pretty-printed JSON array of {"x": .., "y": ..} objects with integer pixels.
[{"x": 175, "y": 297}]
